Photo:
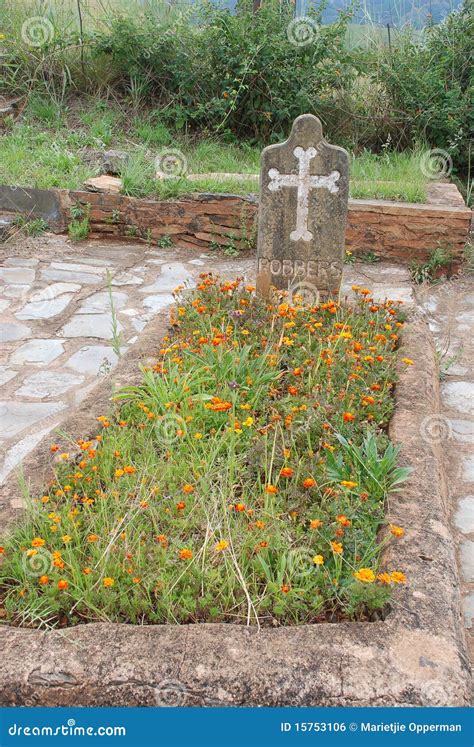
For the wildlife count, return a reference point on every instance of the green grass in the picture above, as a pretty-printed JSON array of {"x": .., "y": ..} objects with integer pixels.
[
  {"x": 244, "y": 479},
  {"x": 43, "y": 149}
]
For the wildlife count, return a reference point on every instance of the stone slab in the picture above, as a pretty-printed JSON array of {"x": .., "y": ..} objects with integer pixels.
[
  {"x": 17, "y": 275},
  {"x": 91, "y": 359},
  {"x": 464, "y": 517},
  {"x": 37, "y": 203},
  {"x": 44, "y": 309},
  {"x": 69, "y": 276},
  {"x": 48, "y": 384},
  {"x": 37, "y": 352},
  {"x": 459, "y": 395},
  {"x": 16, "y": 416},
  {"x": 100, "y": 302},
  {"x": 90, "y": 325},
  {"x": 11, "y": 331}
]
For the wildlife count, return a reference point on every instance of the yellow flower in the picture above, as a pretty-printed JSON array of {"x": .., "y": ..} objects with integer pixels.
[
  {"x": 66, "y": 538},
  {"x": 365, "y": 575},
  {"x": 348, "y": 484},
  {"x": 108, "y": 582},
  {"x": 337, "y": 548},
  {"x": 397, "y": 531},
  {"x": 318, "y": 559},
  {"x": 248, "y": 422},
  {"x": 38, "y": 542},
  {"x": 221, "y": 545},
  {"x": 198, "y": 435},
  {"x": 408, "y": 361},
  {"x": 398, "y": 577}
]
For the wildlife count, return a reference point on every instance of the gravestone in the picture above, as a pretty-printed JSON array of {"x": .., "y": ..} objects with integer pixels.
[{"x": 304, "y": 191}]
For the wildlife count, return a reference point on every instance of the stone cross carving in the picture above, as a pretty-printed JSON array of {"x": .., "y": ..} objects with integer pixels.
[
  {"x": 304, "y": 182},
  {"x": 304, "y": 187}
]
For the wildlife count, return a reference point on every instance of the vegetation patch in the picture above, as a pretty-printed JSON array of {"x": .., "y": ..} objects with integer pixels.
[{"x": 244, "y": 480}]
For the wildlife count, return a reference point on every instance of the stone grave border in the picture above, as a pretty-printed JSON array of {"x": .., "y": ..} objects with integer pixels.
[
  {"x": 391, "y": 230},
  {"x": 415, "y": 657}
]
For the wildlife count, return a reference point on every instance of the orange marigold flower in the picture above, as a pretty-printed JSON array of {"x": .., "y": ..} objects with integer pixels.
[
  {"x": 188, "y": 489},
  {"x": 129, "y": 470},
  {"x": 92, "y": 538},
  {"x": 384, "y": 578},
  {"x": 87, "y": 571},
  {"x": 180, "y": 505},
  {"x": 309, "y": 482},
  {"x": 108, "y": 582},
  {"x": 163, "y": 540},
  {"x": 348, "y": 484},
  {"x": 287, "y": 472},
  {"x": 348, "y": 417},
  {"x": 185, "y": 554},
  {"x": 240, "y": 507},
  {"x": 318, "y": 559},
  {"x": 271, "y": 489},
  {"x": 54, "y": 447},
  {"x": 343, "y": 520},
  {"x": 365, "y": 575},
  {"x": 397, "y": 531},
  {"x": 38, "y": 542},
  {"x": 336, "y": 547},
  {"x": 398, "y": 577},
  {"x": 292, "y": 390},
  {"x": 63, "y": 584},
  {"x": 285, "y": 588},
  {"x": 43, "y": 580},
  {"x": 315, "y": 523}
]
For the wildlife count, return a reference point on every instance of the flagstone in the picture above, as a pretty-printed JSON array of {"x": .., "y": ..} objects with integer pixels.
[
  {"x": 158, "y": 302},
  {"x": 467, "y": 560},
  {"x": 90, "y": 359},
  {"x": 6, "y": 375},
  {"x": 17, "y": 275},
  {"x": 468, "y": 609},
  {"x": 172, "y": 275},
  {"x": 459, "y": 395},
  {"x": 54, "y": 290},
  {"x": 15, "y": 291},
  {"x": 86, "y": 278},
  {"x": 37, "y": 352},
  {"x": 48, "y": 384},
  {"x": 90, "y": 325},
  {"x": 74, "y": 267},
  {"x": 100, "y": 302},
  {"x": 15, "y": 455},
  {"x": 11, "y": 331},
  {"x": 16, "y": 416},
  {"x": 127, "y": 278},
  {"x": 21, "y": 262},
  {"x": 462, "y": 431},
  {"x": 44, "y": 309},
  {"x": 464, "y": 517},
  {"x": 467, "y": 469}
]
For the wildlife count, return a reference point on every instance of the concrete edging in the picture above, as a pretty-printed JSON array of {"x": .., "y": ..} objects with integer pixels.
[{"x": 415, "y": 657}]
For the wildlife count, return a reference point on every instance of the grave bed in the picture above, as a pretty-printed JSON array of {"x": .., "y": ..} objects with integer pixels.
[
  {"x": 416, "y": 656},
  {"x": 390, "y": 230}
]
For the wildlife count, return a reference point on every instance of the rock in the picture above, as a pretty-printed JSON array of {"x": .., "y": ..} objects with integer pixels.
[
  {"x": 10, "y": 331},
  {"x": 44, "y": 309},
  {"x": 48, "y": 384},
  {"x": 16, "y": 416},
  {"x": 111, "y": 184},
  {"x": 37, "y": 352},
  {"x": 304, "y": 191},
  {"x": 92, "y": 358},
  {"x": 90, "y": 325}
]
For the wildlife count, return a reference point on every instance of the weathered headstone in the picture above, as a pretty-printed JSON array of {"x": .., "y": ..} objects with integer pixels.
[{"x": 304, "y": 191}]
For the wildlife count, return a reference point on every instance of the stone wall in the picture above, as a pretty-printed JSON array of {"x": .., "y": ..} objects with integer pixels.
[{"x": 391, "y": 230}]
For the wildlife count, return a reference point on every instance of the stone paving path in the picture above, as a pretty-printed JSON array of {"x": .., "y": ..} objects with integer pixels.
[{"x": 450, "y": 311}]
